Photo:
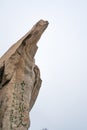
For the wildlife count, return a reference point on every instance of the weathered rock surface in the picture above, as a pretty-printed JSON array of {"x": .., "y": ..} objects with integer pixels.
[{"x": 20, "y": 80}]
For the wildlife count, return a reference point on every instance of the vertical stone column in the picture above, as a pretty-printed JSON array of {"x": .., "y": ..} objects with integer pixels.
[{"x": 20, "y": 80}]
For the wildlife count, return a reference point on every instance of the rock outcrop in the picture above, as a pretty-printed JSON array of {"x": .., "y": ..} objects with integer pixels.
[{"x": 20, "y": 80}]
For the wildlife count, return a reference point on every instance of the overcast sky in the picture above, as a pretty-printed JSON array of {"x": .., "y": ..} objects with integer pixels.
[{"x": 61, "y": 57}]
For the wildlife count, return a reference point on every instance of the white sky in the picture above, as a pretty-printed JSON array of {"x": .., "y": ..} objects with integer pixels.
[{"x": 61, "y": 57}]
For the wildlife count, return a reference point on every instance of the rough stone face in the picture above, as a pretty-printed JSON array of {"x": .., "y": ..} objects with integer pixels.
[{"x": 20, "y": 80}]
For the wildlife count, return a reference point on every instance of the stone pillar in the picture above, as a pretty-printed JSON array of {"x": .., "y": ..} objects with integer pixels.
[{"x": 20, "y": 80}]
